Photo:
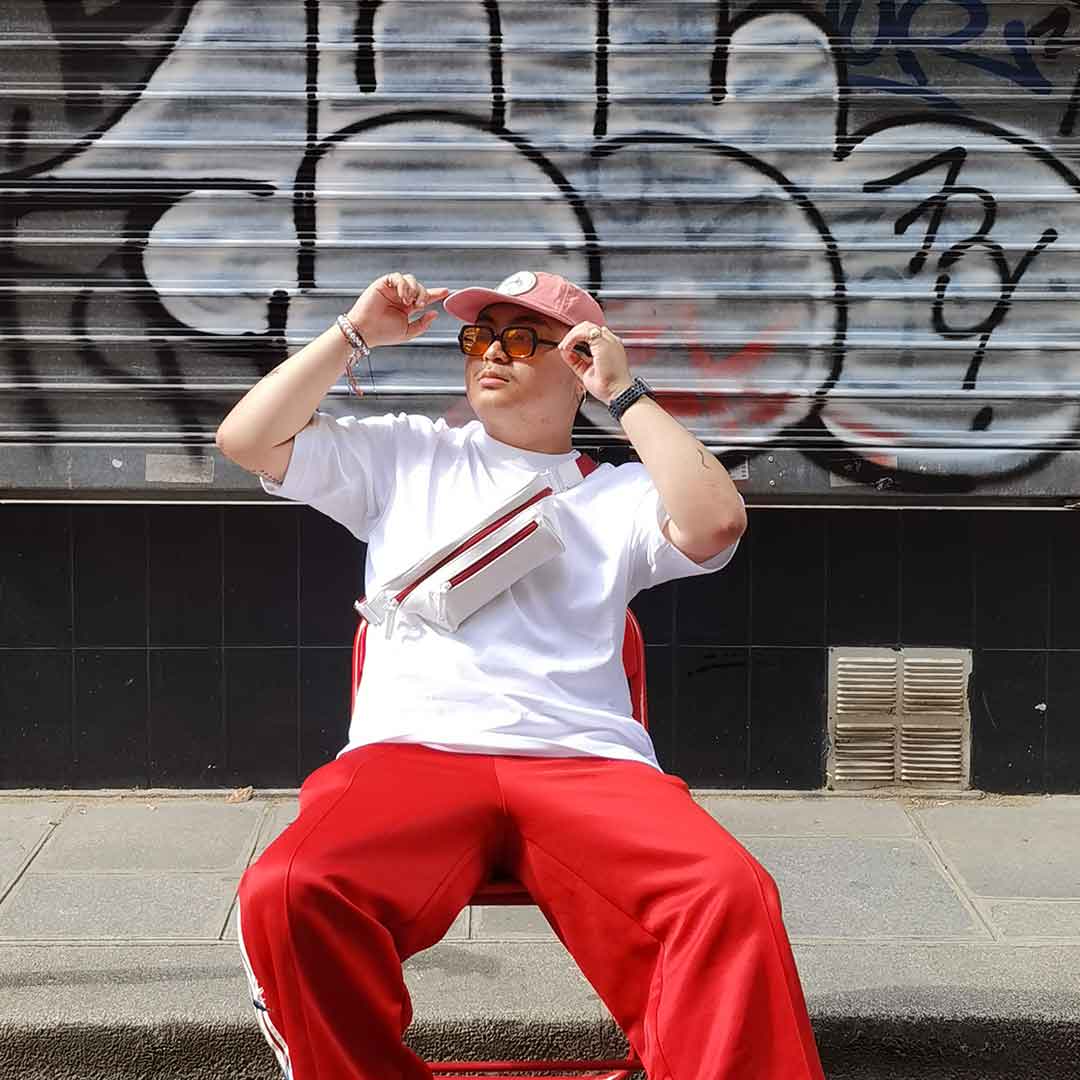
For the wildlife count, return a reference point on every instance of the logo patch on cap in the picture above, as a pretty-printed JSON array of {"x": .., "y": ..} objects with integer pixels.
[{"x": 518, "y": 283}]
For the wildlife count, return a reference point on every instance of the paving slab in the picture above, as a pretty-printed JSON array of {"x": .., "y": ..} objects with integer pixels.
[
  {"x": 839, "y": 888},
  {"x": 945, "y": 980},
  {"x": 280, "y": 815},
  {"x": 1036, "y": 919},
  {"x": 24, "y": 825},
  {"x": 510, "y": 923},
  {"x": 1028, "y": 849},
  {"x": 851, "y": 817},
  {"x": 121, "y": 984},
  {"x": 159, "y": 835},
  {"x": 163, "y": 983},
  {"x": 506, "y": 979},
  {"x": 109, "y": 906}
]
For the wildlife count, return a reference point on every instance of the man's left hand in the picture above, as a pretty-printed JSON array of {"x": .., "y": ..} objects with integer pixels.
[{"x": 608, "y": 373}]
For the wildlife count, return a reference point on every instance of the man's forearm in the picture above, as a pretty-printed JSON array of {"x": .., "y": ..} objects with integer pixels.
[
  {"x": 694, "y": 487},
  {"x": 282, "y": 402}
]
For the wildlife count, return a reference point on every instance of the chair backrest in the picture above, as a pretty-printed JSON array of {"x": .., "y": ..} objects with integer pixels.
[{"x": 633, "y": 658}]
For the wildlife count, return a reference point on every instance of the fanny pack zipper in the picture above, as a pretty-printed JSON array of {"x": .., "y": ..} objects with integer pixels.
[{"x": 494, "y": 553}]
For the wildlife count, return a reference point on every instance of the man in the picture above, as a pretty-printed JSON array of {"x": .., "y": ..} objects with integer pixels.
[{"x": 508, "y": 745}]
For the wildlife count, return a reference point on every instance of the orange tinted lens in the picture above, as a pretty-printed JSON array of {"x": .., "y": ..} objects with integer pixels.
[
  {"x": 518, "y": 342},
  {"x": 475, "y": 340}
]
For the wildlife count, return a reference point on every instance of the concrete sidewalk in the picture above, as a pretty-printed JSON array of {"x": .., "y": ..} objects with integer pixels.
[{"x": 935, "y": 938}]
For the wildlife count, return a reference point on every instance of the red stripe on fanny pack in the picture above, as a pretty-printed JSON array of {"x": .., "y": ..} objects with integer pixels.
[
  {"x": 494, "y": 553},
  {"x": 474, "y": 539}
]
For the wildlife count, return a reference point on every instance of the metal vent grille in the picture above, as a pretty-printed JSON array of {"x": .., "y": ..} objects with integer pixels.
[
  {"x": 866, "y": 685},
  {"x": 935, "y": 685},
  {"x": 899, "y": 717}
]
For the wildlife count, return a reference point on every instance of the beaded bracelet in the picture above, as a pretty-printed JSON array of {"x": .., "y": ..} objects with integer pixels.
[{"x": 360, "y": 351}]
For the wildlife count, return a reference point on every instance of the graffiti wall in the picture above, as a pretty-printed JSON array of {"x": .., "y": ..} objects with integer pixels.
[{"x": 842, "y": 240}]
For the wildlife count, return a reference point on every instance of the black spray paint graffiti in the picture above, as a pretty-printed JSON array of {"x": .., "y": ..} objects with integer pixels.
[
  {"x": 791, "y": 281},
  {"x": 934, "y": 209}
]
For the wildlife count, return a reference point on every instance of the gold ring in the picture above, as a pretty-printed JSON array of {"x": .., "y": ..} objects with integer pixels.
[{"x": 594, "y": 333}]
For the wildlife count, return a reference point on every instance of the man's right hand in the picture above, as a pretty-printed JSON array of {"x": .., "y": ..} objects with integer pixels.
[{"x": 381, "y": 314}]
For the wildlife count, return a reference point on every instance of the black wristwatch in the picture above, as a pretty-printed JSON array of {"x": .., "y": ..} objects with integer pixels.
[{"x": 621, "y": 402}]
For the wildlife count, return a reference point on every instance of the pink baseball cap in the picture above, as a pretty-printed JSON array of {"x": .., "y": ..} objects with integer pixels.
[{"x": 549, "y": 294}]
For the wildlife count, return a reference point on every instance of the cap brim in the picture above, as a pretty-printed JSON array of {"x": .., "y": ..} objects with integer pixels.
[{"x": 466, "y": 304}]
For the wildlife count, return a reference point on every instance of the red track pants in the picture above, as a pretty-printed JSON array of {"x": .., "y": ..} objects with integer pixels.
[{"x": 675, "y": 925}]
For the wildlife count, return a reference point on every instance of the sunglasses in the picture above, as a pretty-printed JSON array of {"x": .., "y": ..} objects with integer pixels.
[{"x": 518, "y": 342}]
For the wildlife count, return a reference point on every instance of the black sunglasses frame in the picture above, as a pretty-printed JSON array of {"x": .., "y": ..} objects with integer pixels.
[{"x": 580, "y": 347}]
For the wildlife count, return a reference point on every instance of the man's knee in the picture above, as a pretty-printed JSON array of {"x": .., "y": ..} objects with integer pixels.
[
  {"x": 298, "y": 885},
  {"x": 260, "y": 891},
  {"x": 741, "y": 889}
]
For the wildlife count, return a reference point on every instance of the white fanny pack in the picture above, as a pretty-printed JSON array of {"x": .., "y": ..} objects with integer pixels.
[{"x": 447, "y": 586}]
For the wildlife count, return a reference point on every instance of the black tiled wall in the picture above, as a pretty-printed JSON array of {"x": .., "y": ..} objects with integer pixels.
[
  {"x": 749, "y": 652},
  {"x": 173, "y": 646},
  {"x": 209, "y": 646}
]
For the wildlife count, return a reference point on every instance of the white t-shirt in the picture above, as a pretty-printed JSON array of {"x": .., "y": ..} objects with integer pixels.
[{"x": 538, "y": 670}]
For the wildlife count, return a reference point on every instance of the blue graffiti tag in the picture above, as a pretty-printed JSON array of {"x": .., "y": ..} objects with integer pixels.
[{"x": 895, "y": 31}]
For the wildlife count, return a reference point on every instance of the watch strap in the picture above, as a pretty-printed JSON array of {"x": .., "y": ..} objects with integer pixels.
[{"x": 622, "y": 401}]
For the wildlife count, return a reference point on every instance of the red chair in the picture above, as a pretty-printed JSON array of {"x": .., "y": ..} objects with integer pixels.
[{"x": 508, "y": 891}]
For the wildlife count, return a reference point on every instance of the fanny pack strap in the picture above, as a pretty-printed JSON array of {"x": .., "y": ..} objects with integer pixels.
[{"x": 569, "y": 474}]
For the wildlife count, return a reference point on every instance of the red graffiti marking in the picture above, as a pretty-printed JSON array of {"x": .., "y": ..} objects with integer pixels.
[
  {"x": 765, "y": 412},
  {"x": 726, "y": 412},
  {"x": 684, "y": 404},
  {"x": 740, "y": 362}
]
